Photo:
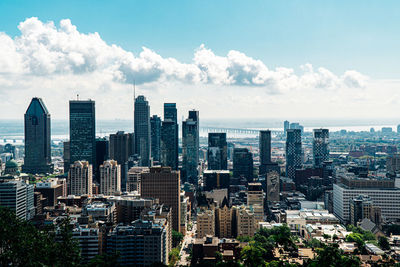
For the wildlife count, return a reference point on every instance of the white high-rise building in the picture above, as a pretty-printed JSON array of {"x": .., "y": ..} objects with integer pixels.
[
  {"x": 18, "y": 196},
  {"x": 388, "y": 199},
  {"x": 80, "y": 179},
  {"x": 110, "y": 178}
]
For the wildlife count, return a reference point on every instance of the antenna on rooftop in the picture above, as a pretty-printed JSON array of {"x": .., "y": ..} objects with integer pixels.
[
  {"x": 77, "y": 96},
  {"x": 134, "y": 89}
]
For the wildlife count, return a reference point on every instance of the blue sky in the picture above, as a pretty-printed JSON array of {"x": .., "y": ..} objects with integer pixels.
[
  {"x": 339, "y": 35},
  {"x": 229, "y": 59}
]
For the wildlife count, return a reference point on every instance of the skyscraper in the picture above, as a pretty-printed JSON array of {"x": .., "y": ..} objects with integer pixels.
[
  {"x": 142, "y": 130},
  {"x": 266, "y": 164},
  {"x": 265, "y": 149},
  {"x": 164, "y": 184},
  {"x": 293, "y": 152},
  {"x": 190, "y": 147},
  {"x": 80, "y": 178},
  {"x": 110, "y": 178},
  {"x": 155, "y": 123},
  {"x": 37, "y": 138},
  {"x": 66, "y": 155},
  {"x": 168, "y": 144},
  {"x": 102, "y": 148},
  {"x": 320, "y": 147},
  {"x": 243, "y": 163},
  {"x": 82, "y": 131},
  {"x": 286, "y": 126},
  {"x": 217, "y": 151},
  {"x": 122, "y": 145},
  {"x": 169, "y": 137}
]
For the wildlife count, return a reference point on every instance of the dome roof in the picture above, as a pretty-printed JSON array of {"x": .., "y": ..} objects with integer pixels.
[{"x": 11, "y": 164}]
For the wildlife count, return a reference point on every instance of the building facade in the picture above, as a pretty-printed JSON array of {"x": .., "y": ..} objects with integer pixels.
[
  {"x": 80, "y": 178},
  {"x": 155, "y": 123},
  {"x": 37, "y": 139},
  {"x": 320, "y": 147},
  {"x": 82, "y": 131},
  {"x": 169, "y": 153},
  {"x": 171, "y": 114},
  {"x": 273, "y": 186},
  {"x": 142, "y": 130},
  {"x": 190, "y": 148},
  {"x": 134, "y": 178},
  {"x": 294, "y": 157},
  {"x": 110, "y": 178},
  {"x": 206, "y": 223},
  {"x": 163, "y": 183},
  {"x": 243, "y": 163},
  {"x": 265, "y": 150},
  {"x": 387, "y": 199},
  {"x": 216, "y": 179},
  {"x": 217, "y": 154},
  {"x": 18, "y": 196},
  {"x": 140, "y": 244}
]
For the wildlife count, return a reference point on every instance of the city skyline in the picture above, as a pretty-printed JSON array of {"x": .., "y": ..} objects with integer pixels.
[{"x": 279, "y": 70}]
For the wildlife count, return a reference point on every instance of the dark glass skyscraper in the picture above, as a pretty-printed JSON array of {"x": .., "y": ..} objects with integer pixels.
[
  {"x": 320, "y": 146},
  {"x": 155, "y": 123},
  {"x": 122, "y": 146},
  {"x": 170, "y": 114},
  {"x": 217, "y": 151},
  {"x": 293, "y": 152},
  {"x": 37, "y": 138},
  {"x": 82, "y": 131},
  {"x": 243, "y": 163},
  {"x": 265, "y": 149},
  {"x": 190, "y": 147},
  {"x": 102, "y": 147},
  {"x": 142, "y": 130},
  {"x": 168, "y": 144}
]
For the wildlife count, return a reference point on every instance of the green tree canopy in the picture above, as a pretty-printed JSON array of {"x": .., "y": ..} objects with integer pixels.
[{"x": 24, "y": 245}]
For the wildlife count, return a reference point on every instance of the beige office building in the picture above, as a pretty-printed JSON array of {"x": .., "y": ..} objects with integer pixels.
[
  {"x": 255, "y": 200},
  {"x": 206, "y": 223},
  {"x": 110, "y": 178},
  {"x": 164, "y": 184},
  {"x": 246, "y": 222},
  {"x": 223, "y": 222},
  {"x": 80, "y": 178},
  {"x": 134, "y": 178}
]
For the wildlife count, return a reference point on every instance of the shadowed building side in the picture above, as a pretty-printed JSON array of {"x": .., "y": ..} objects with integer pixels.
[{"x": 37, "y": 139}]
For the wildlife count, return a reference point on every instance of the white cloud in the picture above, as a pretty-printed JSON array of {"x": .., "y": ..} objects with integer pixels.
[
  {"x": 44, "y": 49},
  {"x": 58, "y": 62}
]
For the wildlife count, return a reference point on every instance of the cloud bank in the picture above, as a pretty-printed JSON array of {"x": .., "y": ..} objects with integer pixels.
[{"x": 44, "y": 49}]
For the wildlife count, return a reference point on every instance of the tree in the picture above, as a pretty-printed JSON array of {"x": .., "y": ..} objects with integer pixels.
[
  {"x": 330, "y": 256},
  {"x": 383, "y": 243},
  {"x": 177, "y": 238},
  {"x": 24, "y": 245},
  {"x": 174, "y": 256},
  {"x": 106, "y": 260},
  {"x": 252, "y": 256},
  {"x": 313, "y": 243},
  {"x": 245, "y": 238}
]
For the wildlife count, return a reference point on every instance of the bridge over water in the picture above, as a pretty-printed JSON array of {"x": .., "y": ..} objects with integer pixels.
[{"x": 235, "y": 130}]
